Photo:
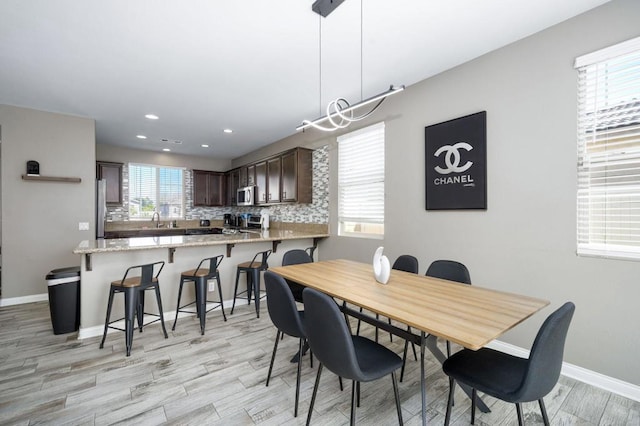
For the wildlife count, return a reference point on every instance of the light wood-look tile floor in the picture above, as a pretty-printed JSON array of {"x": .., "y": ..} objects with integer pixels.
[{"x": 219, "y": 378}]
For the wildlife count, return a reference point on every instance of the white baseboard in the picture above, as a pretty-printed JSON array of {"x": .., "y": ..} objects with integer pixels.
[
  {"x": 24, "y": 299},
  {"x": 589, "y": 377}
]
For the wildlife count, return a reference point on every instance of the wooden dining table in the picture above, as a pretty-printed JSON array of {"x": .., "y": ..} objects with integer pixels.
[{"x": 469, "y": 315}]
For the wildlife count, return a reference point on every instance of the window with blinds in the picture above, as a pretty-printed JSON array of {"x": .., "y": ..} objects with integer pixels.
[
  {"x": 361, "y": 182},
  {"x": 155, "y": 188},
  {"x": 608, "y": 200}
]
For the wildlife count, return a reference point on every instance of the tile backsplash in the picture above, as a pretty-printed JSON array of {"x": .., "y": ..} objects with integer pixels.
[{"x": 316, "y": 212}]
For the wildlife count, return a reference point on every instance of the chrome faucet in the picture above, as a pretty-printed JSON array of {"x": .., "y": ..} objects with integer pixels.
[{"x": 154, "y": 216}]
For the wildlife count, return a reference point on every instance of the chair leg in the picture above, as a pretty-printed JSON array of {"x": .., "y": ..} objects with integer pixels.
[
  {"x": 519, "y": 411},
  {"x": 354, "y": 385},
  {"x": 448, "y": 349},
  {"x": 358, "y": 328},
  {"x": 313, "y": 395},
  {"x": 220, "y": 296},
  {"x": 390, "y": 334},
  {"x": 473, "y": 405},
  {"x": 377, "y": 317},
  {"x": 249, "y": 287},
  {"x": 178, "y": 306},
  {"x": 358, "y": 394},
  {"x": 235, "y": 291},
  {"x": 295, "y": 411},
  {"x": 397, "y": 396},
  {"x": 452, "y": 385},
  {"x": 543, "y": 410},
  {"x": 255, "y": 279},
  {"x": 130, "y": 305},
  {"x": 160, "y": 313},
  {"x": 404, "y": 360},
  {"x": 201, "y": 301},
  {"x": 106, "y": 321},
  {"x": 340, "y": 381},
  {"x": 140, "y": 310},
  {"x": 273, "y": 356}
]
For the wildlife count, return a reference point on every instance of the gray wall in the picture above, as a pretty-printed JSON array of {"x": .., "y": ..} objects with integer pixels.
[
  {"x": 526, "y": 241},
  {"x": 40, "y": 219}
]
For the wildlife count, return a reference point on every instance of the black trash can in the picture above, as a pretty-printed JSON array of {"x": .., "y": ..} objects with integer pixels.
[{"x": 64, "y": 299}]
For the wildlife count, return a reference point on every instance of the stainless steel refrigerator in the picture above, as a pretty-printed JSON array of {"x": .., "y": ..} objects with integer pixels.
[{"x": 101, "y": 207}]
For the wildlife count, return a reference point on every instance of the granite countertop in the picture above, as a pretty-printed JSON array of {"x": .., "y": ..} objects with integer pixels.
[{"x": 146, "y": 243}]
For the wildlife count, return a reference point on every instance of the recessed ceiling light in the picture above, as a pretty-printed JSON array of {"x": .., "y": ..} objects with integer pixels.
[
  {"x": 152, "y": 116},
  {"x": 204, "y": 146},
  {"x": 166, "y": 149},
  {"x": 228, "y": 131},
  {"x": 141, "y": 136}
]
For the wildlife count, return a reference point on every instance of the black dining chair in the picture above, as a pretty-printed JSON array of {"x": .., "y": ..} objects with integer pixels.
[
  {"x": 287, "y": 319},
  {"x": 352, "y": 357},
  {"x": 296, "y": 257},
  {"x": 447, "y": 270},
  {"x": 508, "y": 377}
]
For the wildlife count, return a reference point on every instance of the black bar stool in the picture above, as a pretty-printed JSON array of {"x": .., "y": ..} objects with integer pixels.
[
  {"x": 133, "y": 289},
  {"x": 200, "y": 276},
  {"x": 252, "y": 269}
]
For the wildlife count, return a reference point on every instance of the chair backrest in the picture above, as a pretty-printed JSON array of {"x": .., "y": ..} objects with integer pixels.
[
  {"x": 545, "y": 359},
  {"x": 449, "y": 270},
  {"x": 328, "y": 335},
  {"x": 406, "y": 263},
  {"x": 296, "y": 257},
  {"x": 146, "y": 272},
  {"x": 264, "y": 255},
  {"x": 214, "y": 263},
  {"x": 281, "y": 306}
]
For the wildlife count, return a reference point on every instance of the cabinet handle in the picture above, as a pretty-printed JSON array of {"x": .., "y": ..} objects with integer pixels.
[{"x": 284, "y": 194}]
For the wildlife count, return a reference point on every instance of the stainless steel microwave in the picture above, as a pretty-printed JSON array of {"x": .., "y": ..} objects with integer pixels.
[{"x": 245, "y": 196}]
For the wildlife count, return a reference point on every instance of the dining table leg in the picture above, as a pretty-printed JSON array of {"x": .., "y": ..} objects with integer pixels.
[
  {"x": 423, "y": 386},
  {"x": 432, "y": 345}
]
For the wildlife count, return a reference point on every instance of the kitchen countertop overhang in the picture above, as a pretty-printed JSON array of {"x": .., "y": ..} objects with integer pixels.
[{"x": 172, "y": 242}]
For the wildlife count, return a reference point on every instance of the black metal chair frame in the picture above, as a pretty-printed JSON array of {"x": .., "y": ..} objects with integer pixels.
[
  {"x": 134, "y": 302},
  {"x": 200, "y": 283},
  {"x": 253, "y": 280}
]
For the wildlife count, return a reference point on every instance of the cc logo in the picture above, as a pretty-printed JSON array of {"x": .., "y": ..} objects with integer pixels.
[{"x": 452, "y": 158}]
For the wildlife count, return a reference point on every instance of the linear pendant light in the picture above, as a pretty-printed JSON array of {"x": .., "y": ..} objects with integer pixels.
[
  {"x": 343, "y": 112},
  {"x": 340, "y": 113}
]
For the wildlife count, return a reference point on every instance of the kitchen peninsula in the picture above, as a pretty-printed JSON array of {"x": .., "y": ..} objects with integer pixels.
[{"x": 104, "y": 261}]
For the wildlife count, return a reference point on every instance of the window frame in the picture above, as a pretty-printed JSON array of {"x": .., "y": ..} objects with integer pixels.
[
  {"x": 608, "y": 144},
  {"x": 348, "y": 222},
  {"x": 158, "y": 194}
]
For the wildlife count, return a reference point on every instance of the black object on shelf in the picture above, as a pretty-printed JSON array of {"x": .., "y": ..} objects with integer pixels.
[{"x": 64, "y": 299}]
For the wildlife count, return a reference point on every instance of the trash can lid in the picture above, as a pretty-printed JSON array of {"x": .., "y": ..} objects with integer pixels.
[{"x": 68, "y": 272}]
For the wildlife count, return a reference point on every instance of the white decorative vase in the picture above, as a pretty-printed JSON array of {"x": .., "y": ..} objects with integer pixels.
[{"x": 381, "y": 266}]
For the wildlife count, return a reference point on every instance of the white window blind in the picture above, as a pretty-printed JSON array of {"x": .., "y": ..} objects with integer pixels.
[
  {"x": 155, "y": 188},
  {"x": 361, "y": 182},
  {"x": 608, "y": 202}
]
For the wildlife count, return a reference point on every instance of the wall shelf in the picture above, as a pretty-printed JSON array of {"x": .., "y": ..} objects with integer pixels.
[{"x": 52, "y": 179}]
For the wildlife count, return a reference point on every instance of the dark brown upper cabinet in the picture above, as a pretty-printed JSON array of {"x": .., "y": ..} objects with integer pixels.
[
  {"x": 208, "y": 188},
  {"x": 112, "y": 173}
]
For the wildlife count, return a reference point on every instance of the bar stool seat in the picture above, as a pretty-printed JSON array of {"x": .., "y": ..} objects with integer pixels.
[
  {"x": 134, "y": 289},
  {"x": 200, "y": 276},
  {"x": 252, "y": 269}
]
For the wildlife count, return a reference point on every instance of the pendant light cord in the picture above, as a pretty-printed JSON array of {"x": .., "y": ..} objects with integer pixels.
[
  {"x": 320, "y": 63},
  {"x": 361, "y": 45}
]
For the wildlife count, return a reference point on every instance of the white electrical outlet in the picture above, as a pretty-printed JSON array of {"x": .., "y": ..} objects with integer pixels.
[
  {"x": 212, "y": 286},
  {"x": 83, "y": 226}
]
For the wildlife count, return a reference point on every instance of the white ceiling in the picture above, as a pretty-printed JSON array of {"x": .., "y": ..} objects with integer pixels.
[{"x": 250, "y": 65}]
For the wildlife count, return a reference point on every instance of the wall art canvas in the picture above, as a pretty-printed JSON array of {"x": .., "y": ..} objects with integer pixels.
[{"x": 456, "y": 163}]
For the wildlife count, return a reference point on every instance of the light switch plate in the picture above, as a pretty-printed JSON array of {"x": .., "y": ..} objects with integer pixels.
[
  {"x": 83, "y": 226},
  {"x": 212, "y": 286}
]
